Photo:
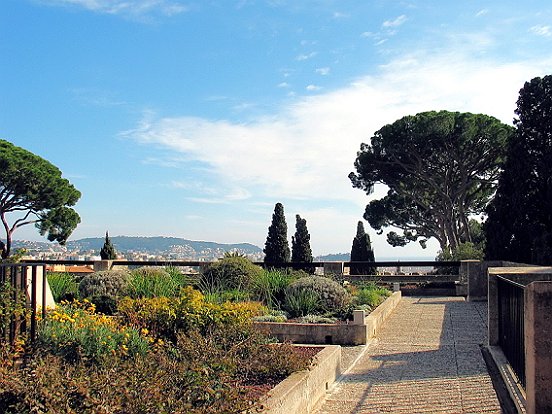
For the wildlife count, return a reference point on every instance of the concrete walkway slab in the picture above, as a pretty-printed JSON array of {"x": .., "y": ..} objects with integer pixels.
[{"x": 426, "y": 359}]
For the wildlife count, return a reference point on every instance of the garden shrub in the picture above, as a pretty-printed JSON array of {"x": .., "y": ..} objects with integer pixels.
[
  {"x": 76, "y": 332},
  {"x": 370, "y": 294},
  {"x": 233, "y": 272},
  {"x": 166, "y": 317},
  {"x": 316, "y": 294},
  {"x": 152, "y": 281},
  {"x": 113, "y": 283},
  {"x": 316, "y": 319},
  {"x": 64, "y": 286},
  {"x": 269, "y": 286}
]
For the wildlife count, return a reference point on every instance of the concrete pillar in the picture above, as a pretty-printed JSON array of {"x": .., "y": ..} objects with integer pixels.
[
  {"x": 333, "y": 268},
  {"x": 43, "y": 298},
  {"x": 492, "y": 299},
  {"x": 100, "y": 265},
  {"x": 538, "y": 347},
  {"x": 358, "y": 317},
  {"x": 472, "y": 280}
]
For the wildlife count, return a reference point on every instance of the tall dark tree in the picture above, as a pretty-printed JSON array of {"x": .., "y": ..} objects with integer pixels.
[
  {"x": 362, "y": 252},
  {"x": 32, "y": 191},
  {"x": 276, "y": 247},
  {"x": 519, "y": 224},
  {"x": 440, "y": 167},
  {"x": 108, "y": 251},
  {"x": 300, "y": 243}
]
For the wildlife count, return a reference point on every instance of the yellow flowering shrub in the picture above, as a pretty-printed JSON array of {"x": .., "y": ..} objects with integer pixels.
[
  {"x": 75, "y": 331},
  {"x": 165, "y": 317}
]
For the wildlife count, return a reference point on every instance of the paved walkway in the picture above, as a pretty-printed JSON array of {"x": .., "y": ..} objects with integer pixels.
[{"x": 426, "y": 359}]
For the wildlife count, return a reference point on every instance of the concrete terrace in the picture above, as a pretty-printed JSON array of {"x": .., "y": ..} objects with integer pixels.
[{"x": 426, "y": 359}]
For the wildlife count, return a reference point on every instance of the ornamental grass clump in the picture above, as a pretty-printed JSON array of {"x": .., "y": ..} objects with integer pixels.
[
  {"x": 147, "y": 282},
  {"x": 316, "y": 295},
  {"x": 63, "y": 285}
]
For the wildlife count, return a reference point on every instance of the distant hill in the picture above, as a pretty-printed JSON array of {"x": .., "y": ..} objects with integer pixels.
[
  {"x": 158, "y": 244},
  {"x": 334, "y": 257}
]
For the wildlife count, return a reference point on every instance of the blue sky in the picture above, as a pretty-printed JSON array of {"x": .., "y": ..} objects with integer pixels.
[{"x": 193, "y": 118}]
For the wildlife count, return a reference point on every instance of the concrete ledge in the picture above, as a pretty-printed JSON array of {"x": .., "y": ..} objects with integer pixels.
[
  {"x": 328, "y": 333},
  {"x": 378, "y": 316},
  {"x": 301, "y": 392},
  {"x": 510, "y": 382}
]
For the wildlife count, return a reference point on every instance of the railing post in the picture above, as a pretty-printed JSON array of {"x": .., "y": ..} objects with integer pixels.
[
  {"x": 538, "y": 347},
  {"x": 100, "y": 265}
]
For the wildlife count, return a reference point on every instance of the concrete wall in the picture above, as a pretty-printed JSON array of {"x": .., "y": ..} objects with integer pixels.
[
  {"x": 342, "y": 334},
  {"x": 301, "y": 392}
]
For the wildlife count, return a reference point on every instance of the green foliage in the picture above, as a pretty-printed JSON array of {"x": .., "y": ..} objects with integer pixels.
[
  {"x": 276, "y": 247},
  {"x": 76, "y": 332},
  {"x": 464, "y": 251},
  {"x": 112, "y": 283},
  {"x": 230, "y": 273},
  {"x": 34, "y": 187},
  {"x": 315, "y": 294},
  {"x": 519, "y": 224},
  {"x": 300, "y": 244},
  {"x": 370, "y": 295},
  {"x": 440, "y": 167},
  {"x": 150, "y": 282},
  {"x": 269, "y": 288},
  {"x": 166, "y": 317},
  {"x": 13, "y": 309},
  {"x": 63, "y": 285},
  {"x": 316, "y": 319},
  {"x": 108, "y": 251},
  {"x": 362, "y": 252}
]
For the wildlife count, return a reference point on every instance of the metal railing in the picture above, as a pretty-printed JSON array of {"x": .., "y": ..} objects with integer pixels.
[
  {"x": 511, "y": 329},
  {"x": 21, "y": 282}
]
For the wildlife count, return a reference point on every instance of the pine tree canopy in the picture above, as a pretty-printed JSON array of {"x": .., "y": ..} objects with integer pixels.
[{"x": 276, "y": 247}]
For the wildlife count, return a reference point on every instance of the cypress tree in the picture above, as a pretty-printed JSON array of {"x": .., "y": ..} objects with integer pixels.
[
  {"x": 300, "y": 244},
  {"x": 276, "y": 247},
  {"x": 362, "y": 252},
  {"x": 108, "y": 251},
  {"x": 519, "y": 224}
]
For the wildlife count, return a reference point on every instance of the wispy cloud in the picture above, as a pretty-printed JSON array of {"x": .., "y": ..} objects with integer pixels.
[
  {"x": 305, "y": 150},
  {"x": 323, "y": 71},
  {"x": 541, "y": 30},
  {"x": 135, "y": 8},
  {"x": 312, "y": 88},
  {"x": 305, "y": 56},
  {"x": 482, "y": 12},
  {"x": 388, "y": 24},
  {"x": 283, "y": 85}
]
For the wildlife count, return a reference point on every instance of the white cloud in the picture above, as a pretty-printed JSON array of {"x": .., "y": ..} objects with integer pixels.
[
  {"x": 305, "y": 150},
  {"x": 312, "y": 88},
  {"x": 396, "y": 22},
  {"x": 323, "y": 71},
  {"x": 482, "y": 12},
  {"x": 283, "y": 85},
  {"x": 306, "y": 56},
  {"x": 124, "y": 7},
  {"x": 541, "y": 30}
]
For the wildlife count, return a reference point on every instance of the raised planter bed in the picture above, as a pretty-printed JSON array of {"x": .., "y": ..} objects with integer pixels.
[
  {"x": 356, "y": 333},
  {"x": 301, "y": 392}
]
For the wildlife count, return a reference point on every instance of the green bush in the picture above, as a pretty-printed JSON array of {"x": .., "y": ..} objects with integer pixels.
[
  {"x": 270, "y": 286},
  {"x": 316, "y": 294},
  {"x": 149, "y": 282},
  {"x": 232, "y": 272},
  {"x": 64, "y": 286},
  {"x": 112, "y": 283},
  {"x": 371, "y": 295}
]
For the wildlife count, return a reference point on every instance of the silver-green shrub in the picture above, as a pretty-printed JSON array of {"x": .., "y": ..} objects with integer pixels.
[
  {"x": 110, "y": 283},
  {"x": 316, "y": 294}
]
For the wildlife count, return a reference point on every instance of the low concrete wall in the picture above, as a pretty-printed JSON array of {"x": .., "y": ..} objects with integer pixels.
[
  {"x": 324, "y": 333},
  {"x": 302, "y": 391}
]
